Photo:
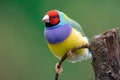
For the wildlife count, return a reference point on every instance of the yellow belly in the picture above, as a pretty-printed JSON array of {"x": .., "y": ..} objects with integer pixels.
[{"x": 75, "y": 39}]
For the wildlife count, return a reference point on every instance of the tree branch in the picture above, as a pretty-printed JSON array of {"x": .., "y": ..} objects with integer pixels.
[{"x": 66, "y": 55}]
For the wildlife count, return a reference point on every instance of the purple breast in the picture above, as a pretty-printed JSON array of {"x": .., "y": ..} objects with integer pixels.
[{"x": 57, "y": 34}]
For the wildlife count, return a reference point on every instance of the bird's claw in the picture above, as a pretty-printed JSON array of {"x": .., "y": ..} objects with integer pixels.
[
  {"x": 69, "y": 53},
  {"x": 58, "y": 68}
]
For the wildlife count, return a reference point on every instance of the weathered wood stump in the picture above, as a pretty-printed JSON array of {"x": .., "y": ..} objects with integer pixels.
[{"x": 105, "y": 49}]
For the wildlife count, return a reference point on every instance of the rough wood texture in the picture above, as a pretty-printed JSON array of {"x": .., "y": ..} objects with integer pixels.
[{"x": 105, "y": 50}]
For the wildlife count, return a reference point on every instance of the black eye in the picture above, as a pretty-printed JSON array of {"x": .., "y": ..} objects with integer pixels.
[{"x": 54, "y": 17}]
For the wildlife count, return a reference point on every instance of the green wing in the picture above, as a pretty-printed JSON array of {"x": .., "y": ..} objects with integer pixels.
[{"x": 76, "y": 26}]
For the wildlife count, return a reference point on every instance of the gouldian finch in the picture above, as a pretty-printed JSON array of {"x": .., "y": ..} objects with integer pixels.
[{"x": 63, "y": 34}]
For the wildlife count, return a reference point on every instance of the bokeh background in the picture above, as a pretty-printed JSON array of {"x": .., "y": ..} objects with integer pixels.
[{"x": 24, "y": 54}]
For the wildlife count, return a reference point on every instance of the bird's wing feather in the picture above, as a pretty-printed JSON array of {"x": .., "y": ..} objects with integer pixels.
[{"x": 76, "y": 26}]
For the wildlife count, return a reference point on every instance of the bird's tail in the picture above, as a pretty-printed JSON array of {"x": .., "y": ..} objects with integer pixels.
[
  {"x": 88, "y": 54},
  {"x": 78, "y": 57}
]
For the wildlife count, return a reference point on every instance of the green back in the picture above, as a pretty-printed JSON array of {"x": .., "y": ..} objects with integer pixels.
[{"x": 74, "y": 24}]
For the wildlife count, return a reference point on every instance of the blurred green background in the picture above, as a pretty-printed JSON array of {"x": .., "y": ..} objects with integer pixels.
[{"x": 24, "y": 54}]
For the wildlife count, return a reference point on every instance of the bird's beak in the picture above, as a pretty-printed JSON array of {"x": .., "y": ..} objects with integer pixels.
[{"x": 46, "y": 19}]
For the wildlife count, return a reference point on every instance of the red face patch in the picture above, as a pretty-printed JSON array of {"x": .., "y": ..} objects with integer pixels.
[{"x": 53, "y": 17}]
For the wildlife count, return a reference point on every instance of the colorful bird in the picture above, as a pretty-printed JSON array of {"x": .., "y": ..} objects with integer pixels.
[{"x": 63, "y": 34}]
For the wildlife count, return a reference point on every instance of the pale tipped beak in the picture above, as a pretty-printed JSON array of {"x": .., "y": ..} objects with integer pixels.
[{"x": 46, "y": 19}]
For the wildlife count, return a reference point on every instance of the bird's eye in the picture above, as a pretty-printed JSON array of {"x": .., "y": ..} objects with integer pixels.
[{"x": 54, "y": 17}]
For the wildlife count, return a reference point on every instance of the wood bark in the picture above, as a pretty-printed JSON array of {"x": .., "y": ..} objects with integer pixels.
[{"x": 105, "y": 49}]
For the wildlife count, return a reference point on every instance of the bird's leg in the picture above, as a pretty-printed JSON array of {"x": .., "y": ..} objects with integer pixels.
[
  {"x": 58, "y": 68},
  {"x": 70, "y": 53}
]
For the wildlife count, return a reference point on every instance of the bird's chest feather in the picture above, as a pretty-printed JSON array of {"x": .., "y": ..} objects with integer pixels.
[
  {"x": 57, "y": 34},
  {"x": 73, "y": 40}
]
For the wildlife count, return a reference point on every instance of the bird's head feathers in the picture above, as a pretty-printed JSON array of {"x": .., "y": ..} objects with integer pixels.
[{"x": 54, "y": 18}]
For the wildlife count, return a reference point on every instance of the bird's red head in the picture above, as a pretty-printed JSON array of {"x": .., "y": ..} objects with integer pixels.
[{"x": 51, "y": 17}]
